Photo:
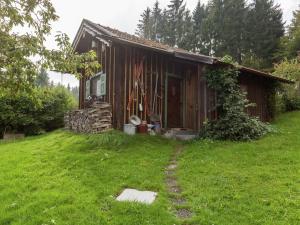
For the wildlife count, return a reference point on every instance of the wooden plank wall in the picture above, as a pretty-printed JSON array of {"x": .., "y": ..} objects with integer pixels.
[
  {"x": 121, "y": 62},
  {"x": 130, "y": 87},
  {"x": 155, "y": 66},
  {"x": 257, "y": 93}
]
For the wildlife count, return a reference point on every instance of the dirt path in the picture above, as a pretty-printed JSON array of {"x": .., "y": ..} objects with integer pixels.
[{"x": 175, "y": 191}]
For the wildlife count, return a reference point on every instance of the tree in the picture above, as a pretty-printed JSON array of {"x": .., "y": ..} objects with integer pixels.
[
  {"x": 265, "y": 28},
  {"x": 188, "y": 37},
  {"x": 234, "y": 29},
  {"x": 17, "y": 69},
  {"x": 290, "y": 69},
  {"x": 213, "y": 26},
  {"x": 176, "y": 11},
  {"x": 165, "y": 29},
  {"x": 144, "y": 26},
  {"x": 224, "y": 28},
  {"x": 199, "y": 15},
  {"x": 290, "y": 44},
  {"x": 156, "y": 22},
  {"x": 42, "y": 79},
  {"x": 75, "y": 93}
]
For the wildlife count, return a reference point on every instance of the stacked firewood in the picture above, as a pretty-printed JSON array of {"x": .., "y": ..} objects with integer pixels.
[{"x": 95, "y": 119}]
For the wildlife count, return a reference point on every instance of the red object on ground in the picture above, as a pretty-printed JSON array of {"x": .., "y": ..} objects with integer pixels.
[{"x": 143, "y": 128}]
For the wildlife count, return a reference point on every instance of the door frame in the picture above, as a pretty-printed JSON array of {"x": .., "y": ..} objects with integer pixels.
[{"x": 166, "y": 97}]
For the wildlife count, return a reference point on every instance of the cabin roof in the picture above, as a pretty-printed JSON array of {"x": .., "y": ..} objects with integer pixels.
[{"x": 123, "y": 37}]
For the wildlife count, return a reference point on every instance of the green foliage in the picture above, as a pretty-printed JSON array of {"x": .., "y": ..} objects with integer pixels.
[
  {"x": 289, "y": 69},
  {"x": 264, "y": 29},
  {"x": 199, "y": 15},
  {"x": 144, "y": 27},
  {"x": 41, "y": 110},
  {"x": 233, "y": 123},
  {"x": 290, "y": 95},
  {"x": 248, "y": 31},
  {"x": 42, "y": 79},
  {"x": 18, "y": 71},
  {"x": 66, "y": 60},
  {"x": 290, "y": 43}
]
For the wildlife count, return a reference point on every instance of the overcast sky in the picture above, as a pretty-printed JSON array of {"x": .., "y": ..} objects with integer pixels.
[{"x": 119, "y": 14}]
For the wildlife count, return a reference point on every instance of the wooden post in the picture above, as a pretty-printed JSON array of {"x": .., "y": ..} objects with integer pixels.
[
  {"x": 130, "y": 80},
  {"x": 125, "y": 87},
  {"x": 110, "y": 75},
  {"x": 198, "y": 114},
  {"x": 113, "y": 85}
]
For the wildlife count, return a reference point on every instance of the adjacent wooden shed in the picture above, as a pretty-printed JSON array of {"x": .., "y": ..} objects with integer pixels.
[{"x": 146, "y": 78}]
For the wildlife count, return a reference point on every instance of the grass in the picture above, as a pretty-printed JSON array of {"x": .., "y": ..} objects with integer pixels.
[
  {"x": 245, "y": 183},
  {"x": 63, "y": 178}
]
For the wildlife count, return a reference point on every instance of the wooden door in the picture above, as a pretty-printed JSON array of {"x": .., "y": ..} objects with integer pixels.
[{"x": 174, "y": 103}]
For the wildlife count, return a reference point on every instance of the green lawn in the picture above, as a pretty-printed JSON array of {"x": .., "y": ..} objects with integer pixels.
[
  {"x": 62, "y": 178},
  {"x": 245, "y": 183}
]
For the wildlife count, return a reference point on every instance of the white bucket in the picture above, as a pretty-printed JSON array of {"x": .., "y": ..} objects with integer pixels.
[{"x": 129, "y": 129}]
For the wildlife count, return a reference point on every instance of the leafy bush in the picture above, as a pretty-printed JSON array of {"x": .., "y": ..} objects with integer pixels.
[
  {"x": 233, "y": 123},
  {"x": 290, "y": 94},
  {"x": 41, "y": 110}
]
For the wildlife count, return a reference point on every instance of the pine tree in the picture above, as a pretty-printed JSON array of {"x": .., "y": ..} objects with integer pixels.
[
  {"x": 144, "y": 26},
  {"x": 199, "y": 15},
  {"x": 293, "y": 45},
  {"x": 213, "y": 27},
  {"x": 176, "y": 10},
  {"x": 265, "y": 28},
  {"x": 187, "y": 39},
  {"x": 224, "y": 28},
  {"x": 234, "y": 29},
  {"x": 42, "y": 79},
  {"x": 165, "y": 29},
  {"x": 156, "y": 19}
]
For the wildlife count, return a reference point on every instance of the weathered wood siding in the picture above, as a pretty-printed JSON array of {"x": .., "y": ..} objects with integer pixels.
[
  {"x": 257, "y": 92},
  {"x": 122, "y": 63}
]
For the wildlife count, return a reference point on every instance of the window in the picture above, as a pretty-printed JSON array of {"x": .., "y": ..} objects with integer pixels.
[
  {"x": 97, "y": 85},
  {"x": 101, "y": 85}
]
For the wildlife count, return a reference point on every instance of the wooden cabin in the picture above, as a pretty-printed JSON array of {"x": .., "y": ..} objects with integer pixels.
[{"x": 149, "y": 79}]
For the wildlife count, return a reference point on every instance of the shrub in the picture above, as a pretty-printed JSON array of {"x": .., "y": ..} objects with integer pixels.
[
  {"x": 290, "y": 96},
  {"x": 41, "y": 110},
  {"x": 233, "y": 123}
]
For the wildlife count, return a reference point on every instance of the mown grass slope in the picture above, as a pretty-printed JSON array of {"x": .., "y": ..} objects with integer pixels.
[
  {"x": 245, "y": 183},
  {"x": 62, "y": 178}
]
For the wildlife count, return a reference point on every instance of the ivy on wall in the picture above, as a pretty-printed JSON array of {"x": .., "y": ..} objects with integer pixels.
[{"x": 233, "y": 123}]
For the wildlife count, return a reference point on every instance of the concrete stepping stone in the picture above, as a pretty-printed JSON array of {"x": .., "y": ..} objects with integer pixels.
[
  {"x": 133, "y": 195},
  {"x": 183, "y": 213},
  {"x": 172, "y": 167},
  {"x": 174, "y": 189}
]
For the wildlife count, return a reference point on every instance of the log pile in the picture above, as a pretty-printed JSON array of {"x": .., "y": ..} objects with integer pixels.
[{"x": 95, "y": 119}]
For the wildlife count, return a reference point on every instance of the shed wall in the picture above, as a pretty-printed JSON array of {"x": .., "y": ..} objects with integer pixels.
[{"x": 137, "y": 76}]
